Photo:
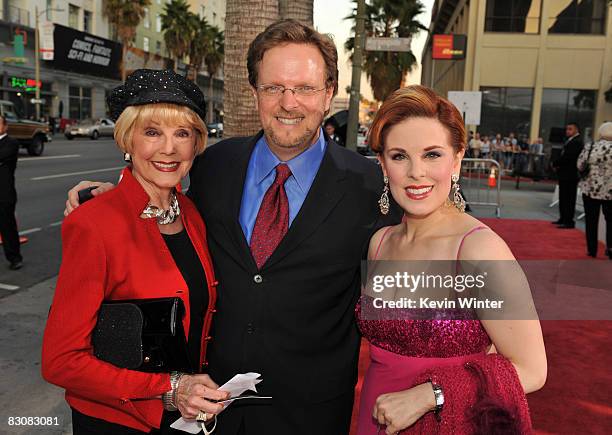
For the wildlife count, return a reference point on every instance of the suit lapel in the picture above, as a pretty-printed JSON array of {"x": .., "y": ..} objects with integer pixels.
[
  {"x": 326, "y": 191},
  {"x": 231, "y": 221}
]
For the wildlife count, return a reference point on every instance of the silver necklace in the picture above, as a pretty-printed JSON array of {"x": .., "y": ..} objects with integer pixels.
[{"x": 164, "y": 217}]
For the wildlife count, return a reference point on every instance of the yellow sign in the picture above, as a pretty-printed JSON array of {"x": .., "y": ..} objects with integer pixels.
[{"x": 14, "y": 60}]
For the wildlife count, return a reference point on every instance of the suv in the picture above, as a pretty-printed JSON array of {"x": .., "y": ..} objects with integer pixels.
[{"x": 31, "y": 135}]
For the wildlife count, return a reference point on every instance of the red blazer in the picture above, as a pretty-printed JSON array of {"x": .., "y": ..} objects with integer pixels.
[{"x": 109, "y": 253}]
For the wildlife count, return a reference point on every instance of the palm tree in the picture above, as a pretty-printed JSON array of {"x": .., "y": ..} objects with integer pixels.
[
  {"x": 124, "y": 16},
  {"x": 179, "y": 26},
  {"x": 213, "y": 61},
  {"x": 240, "y": 117},
  {"x": 300, "y": 10},
  {"x": 198, "y": 45},
  {"x": 392, "y": 19}
]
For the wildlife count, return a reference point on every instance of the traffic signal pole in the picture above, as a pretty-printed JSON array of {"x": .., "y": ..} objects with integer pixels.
[{"x": 353, "y": 117}]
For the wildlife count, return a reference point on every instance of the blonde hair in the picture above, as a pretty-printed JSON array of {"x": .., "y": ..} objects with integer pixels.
[
  {"x": 163, "y": 113},
  {"x": 605, "y": 131}
]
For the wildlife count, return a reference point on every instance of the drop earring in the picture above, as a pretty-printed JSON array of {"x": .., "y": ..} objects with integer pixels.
[
  {"x": 458, "y": 200},
  {"x": 127, "y": 157},
  {"x": 383, "y": 202}
]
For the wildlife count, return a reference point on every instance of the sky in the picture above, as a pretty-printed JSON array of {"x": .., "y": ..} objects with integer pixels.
[{"x": 328, "y": 18}]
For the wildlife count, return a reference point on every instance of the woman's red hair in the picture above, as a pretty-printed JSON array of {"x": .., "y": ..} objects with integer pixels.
[{"x": 416, "y": 102}]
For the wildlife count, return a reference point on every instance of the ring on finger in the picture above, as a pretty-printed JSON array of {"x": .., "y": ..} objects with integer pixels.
[{"x": 202, "y": 416}]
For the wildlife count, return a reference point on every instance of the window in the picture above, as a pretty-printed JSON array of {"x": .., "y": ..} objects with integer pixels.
[
  {"x": 158, "y": 23},
  {"x": 158, "y": 47},
  {"x": 79, "y": 102},
  {"x": 146, "y": 21},
  {"x": 73, "y": 16},
  {"x": 87, "y": 21},
  {"x": 145, "y": 44},
  {"x": 577, "y": 16},
  {"x": 560, "y": 106},
  {"x": 518, "y": 16},
  {"x": 506, "y": 110}
]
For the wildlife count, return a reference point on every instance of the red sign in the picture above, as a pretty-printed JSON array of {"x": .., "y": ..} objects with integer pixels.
[{"x": 448, "y": 47}]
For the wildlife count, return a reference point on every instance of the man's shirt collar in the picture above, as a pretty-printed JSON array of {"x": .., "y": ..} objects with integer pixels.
[{"x": 303, "y": 166}]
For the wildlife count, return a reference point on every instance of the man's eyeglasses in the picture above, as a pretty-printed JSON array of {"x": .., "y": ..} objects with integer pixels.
[{"x": 278, "y": 90}]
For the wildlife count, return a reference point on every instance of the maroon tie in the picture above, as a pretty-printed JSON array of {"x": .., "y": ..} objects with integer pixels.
[{"x": 272, "y": 219}]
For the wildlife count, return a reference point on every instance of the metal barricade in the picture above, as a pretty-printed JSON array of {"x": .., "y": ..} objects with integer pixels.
[
  {"x": 480, "y": 186},
  {"x": 475, "y": 184}
]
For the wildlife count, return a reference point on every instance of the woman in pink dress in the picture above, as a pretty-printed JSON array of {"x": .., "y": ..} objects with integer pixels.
[{"x": 448, "y": 374}]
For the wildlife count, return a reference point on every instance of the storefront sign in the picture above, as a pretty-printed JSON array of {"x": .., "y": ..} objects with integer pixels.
[
  {"x": 449, "y": 47},
  {"x": 28, "y": 85},
  {"x": 85, "y": 54}
]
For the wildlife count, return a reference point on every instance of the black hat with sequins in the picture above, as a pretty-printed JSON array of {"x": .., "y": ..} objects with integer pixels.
[{"x": 149, "y": 86}]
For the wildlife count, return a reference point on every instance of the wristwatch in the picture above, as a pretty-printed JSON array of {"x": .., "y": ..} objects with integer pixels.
[
  {"x": 439, "y": 397},
  {"x": 169, "y": 397}
]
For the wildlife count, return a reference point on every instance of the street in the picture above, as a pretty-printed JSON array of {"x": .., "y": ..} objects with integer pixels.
[{"x": 42, "y": 184}]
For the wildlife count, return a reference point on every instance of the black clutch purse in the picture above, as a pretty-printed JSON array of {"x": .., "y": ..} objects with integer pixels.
[{"x": 143, "y": 334}]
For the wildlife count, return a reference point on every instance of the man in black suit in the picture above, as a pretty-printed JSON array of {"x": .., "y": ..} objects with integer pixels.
[
  {"x": 292, "y": 318},
  {"x": 289, "y": 215},
  {"x": 567, "y": 174},
  {"x": 9, "y": 148}
]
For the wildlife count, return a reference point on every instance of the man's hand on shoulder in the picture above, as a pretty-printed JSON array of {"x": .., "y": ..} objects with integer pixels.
[{"x": 73, "y": 194}]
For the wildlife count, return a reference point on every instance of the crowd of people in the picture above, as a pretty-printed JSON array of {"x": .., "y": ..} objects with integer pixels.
[{"x": 514, "y": 154}]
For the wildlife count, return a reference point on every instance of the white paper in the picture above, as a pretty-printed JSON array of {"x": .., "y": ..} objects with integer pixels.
[{"x": 235, "y": 386}]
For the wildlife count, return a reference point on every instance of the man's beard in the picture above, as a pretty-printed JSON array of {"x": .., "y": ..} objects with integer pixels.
[{"x": 302, "y": 141}]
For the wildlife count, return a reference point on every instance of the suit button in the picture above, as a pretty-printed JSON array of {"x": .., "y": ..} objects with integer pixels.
[
  {"x": 258, "y": 279},
  {"x": 250, "y": 328}
]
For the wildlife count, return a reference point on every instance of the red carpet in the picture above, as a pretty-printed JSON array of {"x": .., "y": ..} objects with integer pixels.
[{"x": 577, "y": 397}]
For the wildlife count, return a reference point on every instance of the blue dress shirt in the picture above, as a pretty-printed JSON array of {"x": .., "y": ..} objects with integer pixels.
[{"x": 261, "y": 173}]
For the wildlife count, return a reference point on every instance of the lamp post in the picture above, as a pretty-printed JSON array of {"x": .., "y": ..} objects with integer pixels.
[
  {"x": 354, "y": 100},
  {"x": 38, "y": 84}
]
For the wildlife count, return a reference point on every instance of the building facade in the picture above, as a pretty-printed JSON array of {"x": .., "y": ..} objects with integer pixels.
[
  {"x": 86, "y": 61},
  {"x": 85, "y": 64},
  {"x": 538, "y": 63}
]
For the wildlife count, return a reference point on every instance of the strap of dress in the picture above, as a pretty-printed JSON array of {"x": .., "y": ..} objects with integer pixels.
[
  {"x": 480, "y": 227},
  {"x": 380, "y": 242}
]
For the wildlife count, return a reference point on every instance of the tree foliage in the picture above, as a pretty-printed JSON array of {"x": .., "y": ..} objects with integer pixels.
[
  {"x": 390, "y": 19},
  {"x": 124, "y": 16}
]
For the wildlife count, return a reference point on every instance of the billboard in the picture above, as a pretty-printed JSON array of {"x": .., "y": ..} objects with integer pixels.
[
  {"x": 449, "y": 47},
  {"x": 84, "y": 53}
]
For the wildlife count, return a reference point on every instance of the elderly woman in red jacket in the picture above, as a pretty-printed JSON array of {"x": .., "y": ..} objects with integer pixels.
[{"x": 143, "y": 240}]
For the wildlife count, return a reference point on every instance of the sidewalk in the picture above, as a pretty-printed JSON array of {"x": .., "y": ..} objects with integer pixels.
[{"x": 23, "y": 392}]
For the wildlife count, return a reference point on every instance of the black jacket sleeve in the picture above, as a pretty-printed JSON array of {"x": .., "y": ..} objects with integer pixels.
[{"x": 9, "y": 149}]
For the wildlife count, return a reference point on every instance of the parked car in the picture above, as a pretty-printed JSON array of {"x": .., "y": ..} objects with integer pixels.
[
  {"x": 31, "y": 135},
  {"x": 215, "y": 129},
  {"x": 92, "y": 128}
]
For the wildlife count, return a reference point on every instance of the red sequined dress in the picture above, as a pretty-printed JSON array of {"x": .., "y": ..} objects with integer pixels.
[{"x": 405, "y": 352}]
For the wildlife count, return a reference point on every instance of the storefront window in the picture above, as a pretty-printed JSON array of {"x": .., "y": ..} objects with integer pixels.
[
  {"x": 560, "y": 106},
  {"x": 506, "y": 110},
  {"x": 577, "y": 16},
  {"x": 517, "y": 16},
  {"x": 79, "y": 102}
]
